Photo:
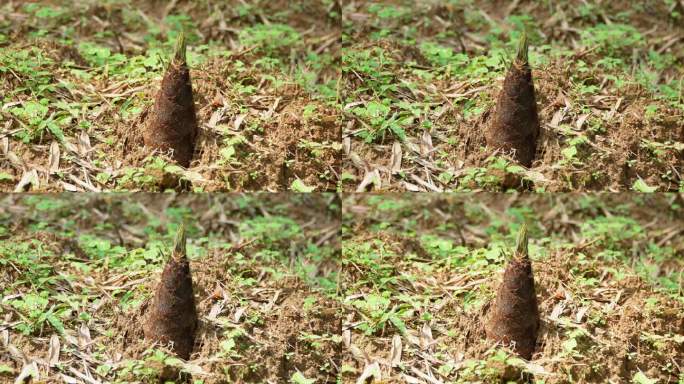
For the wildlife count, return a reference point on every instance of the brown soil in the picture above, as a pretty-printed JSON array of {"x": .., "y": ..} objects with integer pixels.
[
  {"x": 515, "y": 125},
  {"x": 172, "y": 317},
  {"x": 617, "y": 350},
  {"x": 295, "y": 354},
  {"x": 269, "y": 160},
  {"x": 172, "y": 123},
  {"x": 289, "y": 338},
  {"x": 620, "y": 151}
]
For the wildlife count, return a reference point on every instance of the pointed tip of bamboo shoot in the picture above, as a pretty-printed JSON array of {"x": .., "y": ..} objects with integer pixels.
[
  {"x": 521, "y": 55},
  {"x": 181, "y": 240},
  {"x": 179, "y": 55},
  {"x": 521, "y": 246}
]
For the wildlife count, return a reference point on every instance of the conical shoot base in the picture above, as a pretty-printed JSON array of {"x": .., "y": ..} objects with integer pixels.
[
  {"x": 172, "y": 317},
  {"x": 172, "y": 124},
  {"x": 514, "y": 128},
  {"x": 514, "y": 318}
]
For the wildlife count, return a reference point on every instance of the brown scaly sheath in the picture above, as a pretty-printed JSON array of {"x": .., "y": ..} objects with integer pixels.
[
  {"x": 514, "y": 317},
  {"x": 172, "y": 125}
]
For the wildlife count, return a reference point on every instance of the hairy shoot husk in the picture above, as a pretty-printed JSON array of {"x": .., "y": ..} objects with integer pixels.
[
  {"x": 514, "y": 128},
  {"x": 172, "y": 125},
  {"x": 513, "y": 319},
  {"x": 172, "y": 317}
]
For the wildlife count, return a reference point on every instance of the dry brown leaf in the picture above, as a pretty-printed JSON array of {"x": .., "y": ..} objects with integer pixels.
[
  {"x": 53, "y": 351},
  {"x": 412, "y": 146},
  {"x": 238, "y": 121},
  {"x": 70, "y": 146},
  {"x": 70, "y": 187},
  {"x": 238, "y": 314},
  {"x": 85, "y": 184},
  {"x": 273, "y": 108},
  {"x": 16, "y": 161},
  {"x": 29, "y": 178},
  {"x": 16, "y": 354},
  {"x": 557, "y": 310},
  {"x": 395, "y": 160},
  {"x": 84, "y": 143},
  {"x": 28, "y": 371},
  {"x": 84, "y": 339},
  {"x": 372, "y": 177},
  {"x": 426, "y": 340},
  {"x": 557, "y": 118},
  {"x": 426, "y": 148},
  {"x": 215, "y": 311},
  {"x": 615, "y": 108},
  {"x": 428, "y": 185},
  {"x": 4, "y": 337},
  {"x": 358, "y": 161},
  {"x": 53, "y": 164},
  {"x": 84, "y": 377},
  {"x": 580, "y": 314},
  {"x": 425, "y": 376},
  {"x": 580, "y": 121},
  {"x": 215, "y": 118},
  {"x": 370, "y": 371},
  {"x": 537, "y": 369},
  {"x": 395, "y": 352},
  {"x": 346, "y": 337},
  {"x": 357, "y": 353},
  {"x": 412, "y": 187},
  {"x": 4, "y": 145}
]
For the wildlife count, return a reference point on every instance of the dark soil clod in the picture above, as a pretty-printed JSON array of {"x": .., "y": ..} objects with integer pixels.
[
  {"x": 172, "y": 125},
  {"x": 172, "y": 316},
  {"x": 514, "y": 128},
  {"x": 514, "y": 317}
]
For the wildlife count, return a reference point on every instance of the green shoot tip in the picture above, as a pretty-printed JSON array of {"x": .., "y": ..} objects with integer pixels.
[
  {"x": 179, "y": 246},
  {"x": 521, "y": 55},
  {"x": 179, "y": 55},
  {"x": 521, "y": 246}
]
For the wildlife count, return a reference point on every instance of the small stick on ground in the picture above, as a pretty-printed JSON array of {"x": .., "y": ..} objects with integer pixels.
[
  {"x": 172, "y": 123},
  {"x": 515, "y": 123},
  {"x": 514, "y": 318},
  {"x": 172, "y": 316}
]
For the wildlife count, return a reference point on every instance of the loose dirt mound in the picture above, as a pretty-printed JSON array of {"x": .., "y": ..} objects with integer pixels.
[
  {"x": 278, "y": 327},
  {"x": 271, "y": 146},
  {"x": 267, "y": 332},
  {"x": 294, "y": 338}
]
